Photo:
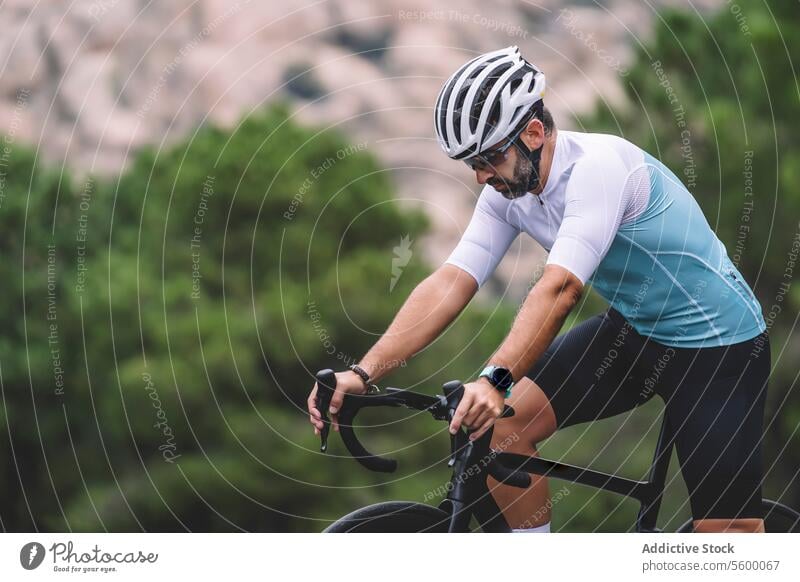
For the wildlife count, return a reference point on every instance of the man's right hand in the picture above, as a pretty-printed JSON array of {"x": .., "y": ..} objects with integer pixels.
[{"x": 346, "y": 383}]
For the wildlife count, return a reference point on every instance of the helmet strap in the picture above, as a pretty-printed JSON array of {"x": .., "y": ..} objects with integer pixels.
[{"x": 534, "y": 156}]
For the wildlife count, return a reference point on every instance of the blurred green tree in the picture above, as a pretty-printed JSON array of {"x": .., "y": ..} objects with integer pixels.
[{"x": 215, "y": 277}]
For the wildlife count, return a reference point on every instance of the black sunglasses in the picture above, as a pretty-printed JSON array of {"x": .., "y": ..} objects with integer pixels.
[{"x": 495, "y": 157}]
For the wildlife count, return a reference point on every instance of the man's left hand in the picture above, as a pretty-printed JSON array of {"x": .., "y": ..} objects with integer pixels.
[{"x": 480, "y": 406}]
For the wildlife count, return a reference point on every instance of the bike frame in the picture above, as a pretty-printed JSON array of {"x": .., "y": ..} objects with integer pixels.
[
  {"x": 468, "y": 493},
  {"x": 472, "y": 461}
]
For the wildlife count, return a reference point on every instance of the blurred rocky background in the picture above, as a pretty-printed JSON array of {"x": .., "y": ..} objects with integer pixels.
[{"x": 106, "y": 77}]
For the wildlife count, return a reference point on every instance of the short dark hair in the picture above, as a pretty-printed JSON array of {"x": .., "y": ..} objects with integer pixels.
[{"x": 547, "y": 121}]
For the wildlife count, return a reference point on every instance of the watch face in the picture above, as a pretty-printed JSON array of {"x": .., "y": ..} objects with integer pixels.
[{"x": 501, "y": 378}]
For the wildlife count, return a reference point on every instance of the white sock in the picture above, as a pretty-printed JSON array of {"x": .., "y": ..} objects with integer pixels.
[{"x": 544, "y": 528}]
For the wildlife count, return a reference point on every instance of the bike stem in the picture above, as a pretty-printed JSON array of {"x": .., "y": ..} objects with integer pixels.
[{"x": 468, "y": 493}]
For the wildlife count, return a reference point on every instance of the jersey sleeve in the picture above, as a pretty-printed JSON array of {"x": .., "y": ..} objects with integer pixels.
[
  {"x": 485, "y": 241},
  {"x": 595, "y": 201}
]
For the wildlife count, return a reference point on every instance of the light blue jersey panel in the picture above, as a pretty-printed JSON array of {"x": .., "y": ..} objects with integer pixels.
[{"x": 670, "y": 276}]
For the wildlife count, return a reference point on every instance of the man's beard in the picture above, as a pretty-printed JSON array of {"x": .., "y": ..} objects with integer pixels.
[{"x": 517, "y": 186}]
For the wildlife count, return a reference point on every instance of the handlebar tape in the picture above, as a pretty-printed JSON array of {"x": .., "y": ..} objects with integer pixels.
[{"x": 362, "y": 455}]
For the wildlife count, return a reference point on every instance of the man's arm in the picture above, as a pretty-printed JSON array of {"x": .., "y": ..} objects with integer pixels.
[
  {"x": 537, "y": 324},
  {"x": 435, "y": 302},
  {"x": 430, "y": 308},
  {"x": 539, "y": 320}
]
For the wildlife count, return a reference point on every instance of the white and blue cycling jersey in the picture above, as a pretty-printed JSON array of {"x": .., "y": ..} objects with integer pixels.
[{"x": 619, "y": 219}]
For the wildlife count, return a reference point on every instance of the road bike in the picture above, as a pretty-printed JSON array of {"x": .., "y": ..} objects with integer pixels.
[{"x": 468, "y": 494}]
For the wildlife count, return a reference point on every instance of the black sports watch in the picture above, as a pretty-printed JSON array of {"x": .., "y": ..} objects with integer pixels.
[{"x": 500, "y": 378}]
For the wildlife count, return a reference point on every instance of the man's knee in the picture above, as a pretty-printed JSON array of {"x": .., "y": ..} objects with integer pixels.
[
  {"x": 533, "y": 420},
  {"x": 509, "y": 437}
]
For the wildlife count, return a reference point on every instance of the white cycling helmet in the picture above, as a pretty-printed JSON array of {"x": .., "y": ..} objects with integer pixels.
[{"x": 485, "y": 100}]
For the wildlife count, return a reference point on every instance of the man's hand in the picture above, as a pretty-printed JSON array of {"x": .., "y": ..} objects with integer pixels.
[
  {"x": 346, "y": 383},
  {"x": 480, "y": 406}
]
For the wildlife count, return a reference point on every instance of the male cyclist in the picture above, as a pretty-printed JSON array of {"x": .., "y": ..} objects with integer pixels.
[{"x": 682, "y": 322}]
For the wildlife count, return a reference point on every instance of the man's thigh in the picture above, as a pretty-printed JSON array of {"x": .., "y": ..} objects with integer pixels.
[
  {"x": 587, "y": 373},
  {"x": 719, "y": 431}
]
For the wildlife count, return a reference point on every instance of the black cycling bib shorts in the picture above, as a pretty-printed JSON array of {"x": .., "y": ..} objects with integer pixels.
[{"x": 714, "y": 400}]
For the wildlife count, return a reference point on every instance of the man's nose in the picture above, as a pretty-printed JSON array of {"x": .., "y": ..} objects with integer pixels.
[{"x": 483, "y": 175}]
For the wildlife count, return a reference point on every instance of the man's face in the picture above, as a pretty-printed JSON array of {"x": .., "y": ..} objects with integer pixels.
[
  {"x": 508, "y": 173},
  {"x": 504, "y": 168}
]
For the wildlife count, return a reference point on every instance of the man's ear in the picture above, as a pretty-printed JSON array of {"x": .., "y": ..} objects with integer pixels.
[{"x": 533, "y": 135}]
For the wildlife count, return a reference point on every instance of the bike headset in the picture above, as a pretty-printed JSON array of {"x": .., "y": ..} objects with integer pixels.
[{"x": 487, "y": 100}]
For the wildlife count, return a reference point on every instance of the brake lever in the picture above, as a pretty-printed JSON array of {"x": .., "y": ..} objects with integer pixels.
[
  {"x": 452, "y": 460},
  {"x": 453, "y": 392},
  {"x": 326, "y": 386}
]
